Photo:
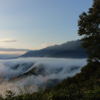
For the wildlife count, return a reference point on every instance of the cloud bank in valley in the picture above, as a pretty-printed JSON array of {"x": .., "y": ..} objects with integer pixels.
[{"x": 53, "y": 68}]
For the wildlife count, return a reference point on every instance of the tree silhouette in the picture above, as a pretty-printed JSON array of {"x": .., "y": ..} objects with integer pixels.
[{"x": 89, "y": 25}]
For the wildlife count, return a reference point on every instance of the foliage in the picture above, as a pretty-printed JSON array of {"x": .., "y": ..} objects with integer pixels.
[
  {"x": 89, "y": 25},
  {"x": 84, "y": 85}
]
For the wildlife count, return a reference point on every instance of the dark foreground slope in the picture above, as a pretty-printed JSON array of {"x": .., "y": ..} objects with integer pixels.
[
  {"x": 82, "y": 86},
  {"x": 87, "y": 79}
]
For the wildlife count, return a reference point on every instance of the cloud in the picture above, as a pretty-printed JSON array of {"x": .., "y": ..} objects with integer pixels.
[
  {"x": 12, "y": 52},
  {"x": 46, "y": 45},
  {"x": 53, "y": 68},
  {"x": 13, "y": 49},
  {"x": 7, "y": 40}
]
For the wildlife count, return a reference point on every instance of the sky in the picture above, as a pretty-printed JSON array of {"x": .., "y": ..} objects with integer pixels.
[{"x": 36, "y": 24}]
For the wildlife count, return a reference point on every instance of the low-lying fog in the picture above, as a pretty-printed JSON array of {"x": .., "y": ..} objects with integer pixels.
[{"x": 54, "y": 71}]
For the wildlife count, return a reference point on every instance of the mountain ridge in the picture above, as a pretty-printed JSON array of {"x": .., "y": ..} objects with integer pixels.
[{"x": 68, "y": 48}]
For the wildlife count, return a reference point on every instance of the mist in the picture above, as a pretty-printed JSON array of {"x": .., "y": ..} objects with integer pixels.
[{"x": 50, "y": 71}]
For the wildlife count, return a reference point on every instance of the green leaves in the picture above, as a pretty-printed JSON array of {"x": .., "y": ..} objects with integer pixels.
[
  {"x": 89, "y": 25},
  {"x": 9, "y": 95}
]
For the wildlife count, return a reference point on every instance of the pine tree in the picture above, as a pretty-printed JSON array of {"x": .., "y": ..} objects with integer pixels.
[{"x": 89, "y": 25}]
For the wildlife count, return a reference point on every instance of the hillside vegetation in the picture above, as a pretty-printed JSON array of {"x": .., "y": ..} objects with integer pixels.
[
  {"x": 86, "y": 84},
  {"x": 82, "y": 86}
]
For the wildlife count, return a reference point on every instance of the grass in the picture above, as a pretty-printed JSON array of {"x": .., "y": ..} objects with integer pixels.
[
  {"x": 64, "y": 94},
  {"x": 24, "y": 94}
]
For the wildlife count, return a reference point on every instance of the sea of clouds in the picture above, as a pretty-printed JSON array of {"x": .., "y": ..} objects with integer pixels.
[{"x": 54, "y": 68}]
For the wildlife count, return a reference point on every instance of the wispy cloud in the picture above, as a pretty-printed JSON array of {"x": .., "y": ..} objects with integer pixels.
[
  {"x": 12, "y": 52},
  {"x": 46, "y": 45},
  {"x": 13, "y": 49},
  {"x": 8, "y": 40}
]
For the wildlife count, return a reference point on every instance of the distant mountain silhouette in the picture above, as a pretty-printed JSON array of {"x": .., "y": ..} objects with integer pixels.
[
  {"x": 70, "y": 49},
  {"x": 70, "y": 54}
]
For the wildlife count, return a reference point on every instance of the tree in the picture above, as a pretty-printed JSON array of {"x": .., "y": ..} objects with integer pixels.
[{"x": 89, "y": 25}]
